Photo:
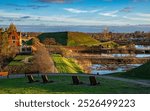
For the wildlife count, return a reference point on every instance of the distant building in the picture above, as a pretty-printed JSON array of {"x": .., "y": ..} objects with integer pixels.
[{"x": 14, "y": 38}]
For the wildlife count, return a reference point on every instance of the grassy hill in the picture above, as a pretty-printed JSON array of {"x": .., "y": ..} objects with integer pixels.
[
  {"x": 79, "y": 39},
  {"x": 60, "y": 37},
  {"x": 65, "y": 65},
  {"x": 70, "y": 38},
  {"x": 142, "y": 72}
]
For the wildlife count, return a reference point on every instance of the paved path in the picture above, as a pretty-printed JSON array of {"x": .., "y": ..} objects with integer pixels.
[{"x": 138, "y": 81}]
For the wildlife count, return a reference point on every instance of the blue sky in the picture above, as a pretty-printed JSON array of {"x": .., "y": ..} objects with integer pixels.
[{"x": 75, "y": 12}]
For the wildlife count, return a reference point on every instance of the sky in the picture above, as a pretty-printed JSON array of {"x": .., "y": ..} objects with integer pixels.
[{"x": 75, "y": 12}]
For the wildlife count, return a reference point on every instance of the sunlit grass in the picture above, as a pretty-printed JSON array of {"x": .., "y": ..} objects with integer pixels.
[
  {"x": 65, "y": 65},
  {"x": 21, "y": 57},
  {"x": 63, "y": 85}
]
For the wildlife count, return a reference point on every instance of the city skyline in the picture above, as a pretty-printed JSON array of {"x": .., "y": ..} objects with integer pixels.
[{"x": 75, "y": 12}]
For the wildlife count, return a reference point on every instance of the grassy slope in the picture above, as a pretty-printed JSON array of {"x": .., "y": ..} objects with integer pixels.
[
  {"x": 109, "y": 44},
  {"x": 142, "y": 72},
  {"x": 60, "y": 37},
  {"x": 17, "y": 61},
  {"x": 62, "y": 84},
  {"x": 79, "y": 39},
  {"x": 65, "y": 65},
  {"x": 70, "y": 38}
]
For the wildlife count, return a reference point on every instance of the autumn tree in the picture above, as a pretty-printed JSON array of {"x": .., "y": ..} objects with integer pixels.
[
  {"x": 4, "y": 43},
  {"x": 42, "y": 59}
]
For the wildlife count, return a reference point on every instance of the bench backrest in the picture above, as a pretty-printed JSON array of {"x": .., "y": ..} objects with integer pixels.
[
  {"x": 75, "y": 80},
  {"x": 93, "y": 81}
]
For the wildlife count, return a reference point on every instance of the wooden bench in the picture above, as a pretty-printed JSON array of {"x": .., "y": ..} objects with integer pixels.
[
  {"x": 4, "y": 74},
  {"x": 45, "y": 79},
  {"x": 93, "y": 81},
  {"x": 31, "y": 79},
  {"x": 76, "y": 80}
]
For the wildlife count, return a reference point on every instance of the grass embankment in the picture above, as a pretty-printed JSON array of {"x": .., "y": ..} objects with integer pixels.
[
  {"x": 18, "y": 65},
  {"x": 18, "y": 60},
  {"x": 81, "y": 39},
  {"x": 75, "y": 39},
  {"x": 63, "y": 84},
  {"x": 70, "y": 38},
  {"x": 141, "y": 72},
  {"x": 65, "y": 65}
]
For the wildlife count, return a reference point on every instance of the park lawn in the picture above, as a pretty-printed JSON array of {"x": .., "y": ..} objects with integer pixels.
[
  {"x": 141, "y": 72},
  {"x": 65, "y": 65},
  {"x": 63, "y": 85}
]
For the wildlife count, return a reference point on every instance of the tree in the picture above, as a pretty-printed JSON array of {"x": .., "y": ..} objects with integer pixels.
[
  {"x": 5, "y": 44},
  {"x": 42, "y": 59}
]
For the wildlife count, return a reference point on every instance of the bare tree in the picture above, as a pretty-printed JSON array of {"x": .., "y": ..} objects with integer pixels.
[{"x": 42, "y": 59}]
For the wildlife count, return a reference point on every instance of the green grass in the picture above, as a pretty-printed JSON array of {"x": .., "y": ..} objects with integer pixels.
[
  {"x": 81, "y": 39},
  {"x": 21, "y": 57},
  {"x": 16, "y": 63},
  {"x": 65, "y": 65},
  {"x": 109, "y": 44},
  {"x": 63, "y": 85},
  {"x": 60, "y": 37},
  {"x": 70, "y": 38},
  {"x": 75, "y": 39},
  {"x": 142, "y": 72}
]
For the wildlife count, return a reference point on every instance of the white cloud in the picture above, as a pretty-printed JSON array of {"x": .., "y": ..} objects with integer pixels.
[
  {"x": 110, "y": 14},
  {"x": 72, "y": 10},
  {"x": 135, "y": 18},
  {"x": 19, "y": 19},
  {"x": 143, "y": 14}
]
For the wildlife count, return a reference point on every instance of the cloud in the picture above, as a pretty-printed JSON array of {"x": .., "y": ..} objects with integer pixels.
[
  {"x": 141, "y": 0},
  {"x": 126, "y": 9},
  {"x": 72, "y": 10},
  {"x": 56, "y": 1},
  {"x": 143, "y": 15},
  {"x": 110, "y": 14},
  {"x": 137, "y": 19},
  {"x": 108, "y": 0},
  {"x": 25, "y": 17},
  {"x": 21, "y": 7}
]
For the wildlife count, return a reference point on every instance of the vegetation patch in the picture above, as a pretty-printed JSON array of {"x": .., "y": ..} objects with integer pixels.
[
  {"x": 65, "y": 65},
  {"x": 16, "y": 63},
  {"x": 109, "y": 44},
  {"x": 141, "y": 72},
  {"x": 18, "y": 60},
  {"x": 60, "y": 37},
  {"x": 81, "y": 39},
  {"x": 70, "y": 38},
  {"x": 63, "y": 85},
  {"x": 21, "y": 57}
]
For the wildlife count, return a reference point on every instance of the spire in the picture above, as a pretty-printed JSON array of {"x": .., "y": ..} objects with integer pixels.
[{"x": 12, "y": 28}]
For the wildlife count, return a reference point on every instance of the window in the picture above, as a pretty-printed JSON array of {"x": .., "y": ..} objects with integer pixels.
[
  {"x": 13, "y": 37},
  {"x": 23, "y": 49},
  {"x": 29, "y": 49}
]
